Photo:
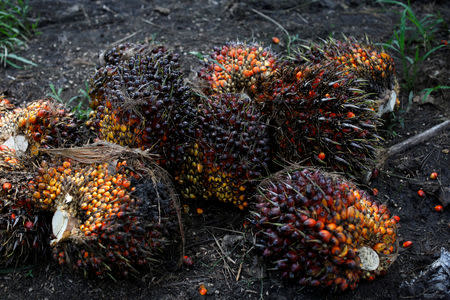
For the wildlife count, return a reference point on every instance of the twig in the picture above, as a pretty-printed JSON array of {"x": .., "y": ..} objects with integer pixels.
[
  {"x": 412, "y": 141},
  {"x": 86, "y": 15},
  {"x": 225, "y": 229},
  {"x": 151, "y": 23},
  {"x": 271, "y": 20},
  {"x": 239, "y": 271},
  {"x": 125, "y": 38},
  {"x": 223, "y": 252}
]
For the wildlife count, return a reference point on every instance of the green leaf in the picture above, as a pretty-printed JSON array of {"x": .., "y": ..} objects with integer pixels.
[
  {"x": 431, "y": 51},
  {"x": 21, "y": 59},
  {"x": 428, "y": 91}
]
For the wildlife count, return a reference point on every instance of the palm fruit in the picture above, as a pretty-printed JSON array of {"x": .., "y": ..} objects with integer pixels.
[
  {"x": 140, "y": 100},
  {"x": 9, "y": 160},
  {"x": 237, "y": 68},
  {"x": 323, "y": 117},
  {"x": 49, "y": 125},
  {"x": 362, "y": 60},
  {"x": 111, "y": 220},
  {"x": 319, "y": 229},
  {"x": 24, "y": 231},
  {"x": 45, "y": 124},
  {"x": 230, "y": 151},
  {"x": 5, "y": 105}
]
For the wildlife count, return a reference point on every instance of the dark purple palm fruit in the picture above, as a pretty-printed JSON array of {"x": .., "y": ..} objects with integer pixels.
[
  {"x": 140, "y": 100},
  {"x": 319, "y": 229},
  {"x": 230, "y": 151}
]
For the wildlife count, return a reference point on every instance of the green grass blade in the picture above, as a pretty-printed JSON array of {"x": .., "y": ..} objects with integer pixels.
[
  {"x": 431, "y": 51},
  {"x": 21, "y": 59}
]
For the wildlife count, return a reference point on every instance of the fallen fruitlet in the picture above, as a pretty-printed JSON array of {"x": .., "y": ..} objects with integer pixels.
[
  {"x": 421, "y": 193},
  {"x": 375, "y": 191},
  {"x": 439, "y": 208},
  {"x": 188, "y": 260},
  {"x": 407, "y": 244},
  {"x": 319, "y": 229},
  {"x": 202, "y": 290}
]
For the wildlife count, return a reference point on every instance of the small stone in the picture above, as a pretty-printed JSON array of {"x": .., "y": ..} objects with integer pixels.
[{"x": 162, "y": 10}]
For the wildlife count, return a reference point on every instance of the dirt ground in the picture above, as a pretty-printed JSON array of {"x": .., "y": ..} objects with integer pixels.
[{"x": 73, "y": 33}]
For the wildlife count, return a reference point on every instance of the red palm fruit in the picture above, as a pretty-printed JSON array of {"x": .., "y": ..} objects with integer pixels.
[
  {"x": 140, "y": 100},
  {"x": 310, "y": 115},
  {"x": 9, "y": 160},
  {"x": 238, "y": 67},
  {"x": 229, "y": 153},
  {"x": 357, "y": 240},
  {"x": 362, "y": 60}
]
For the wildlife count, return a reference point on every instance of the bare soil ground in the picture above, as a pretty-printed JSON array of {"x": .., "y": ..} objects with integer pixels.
[{"x": 73, "y": 33}]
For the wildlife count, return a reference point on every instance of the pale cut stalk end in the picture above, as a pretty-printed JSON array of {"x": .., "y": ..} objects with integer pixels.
[{"x": 369, "y": 259}]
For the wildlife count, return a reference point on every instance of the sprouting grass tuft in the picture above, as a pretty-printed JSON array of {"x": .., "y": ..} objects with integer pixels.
[
  {"x": 14, "y": 31},
  {"x": 413, "y": 42},
  {"x": 79, "y": 104}
]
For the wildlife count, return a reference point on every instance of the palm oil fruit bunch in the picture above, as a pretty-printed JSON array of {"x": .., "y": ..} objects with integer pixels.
[
  {"x": 323, "y": 117},
  {"x": 140, "y": 100},
  {"x": 239, "y": 68},
  {"x": 319, "y": 229},
  {"x": 230, "y": 151},
  {"x": 24, "y": 230},
  {"x": 43, "y": 124},
  {"x": 362, "y": 60},
  {"x": 50, "y": 125},
  {"x": 112, "y": 221}
]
